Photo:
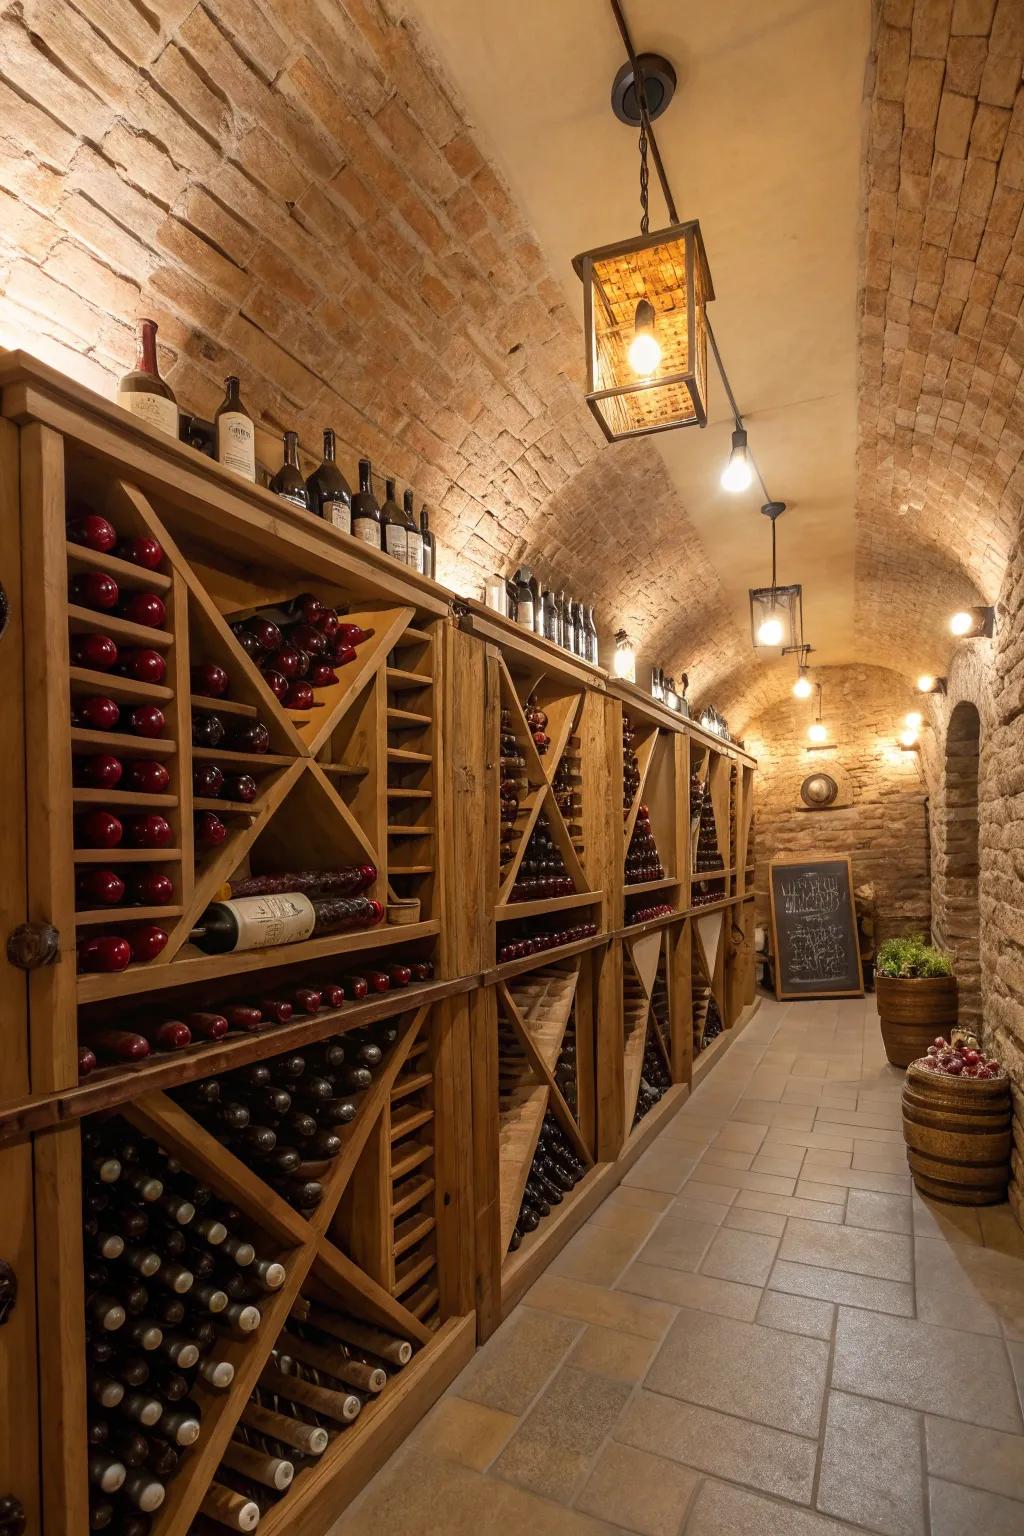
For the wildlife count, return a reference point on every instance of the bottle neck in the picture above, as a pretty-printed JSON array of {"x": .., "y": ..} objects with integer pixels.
[
  {"x": 146, "y": 360},
  {"x": 233, "y": 400},
  {"x": 291, "y": 449},
  {"x": 364, "y": 476},
  {"x": 424, "y": 522},
  {"x": 328, "y": 446}
]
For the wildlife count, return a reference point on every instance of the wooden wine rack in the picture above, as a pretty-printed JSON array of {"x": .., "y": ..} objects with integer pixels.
[{"x": 398, "y": 765}]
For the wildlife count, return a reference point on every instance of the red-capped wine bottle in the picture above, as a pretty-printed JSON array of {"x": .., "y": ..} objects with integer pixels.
[
  {"x": 257, "y": 922},
  {"x": 144, "y": 392}
]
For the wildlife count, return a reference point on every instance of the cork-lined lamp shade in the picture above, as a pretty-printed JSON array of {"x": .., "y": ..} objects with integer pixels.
[{"x": 643, "y": 308}]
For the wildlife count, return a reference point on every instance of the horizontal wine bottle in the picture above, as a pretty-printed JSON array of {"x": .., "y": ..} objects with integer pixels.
[
  {"x": 342, "y": 1407},
  {"x": 230, "y": 1509},
  {"x": 349, "y": 881},
  {"x": 258, "y": 922}
]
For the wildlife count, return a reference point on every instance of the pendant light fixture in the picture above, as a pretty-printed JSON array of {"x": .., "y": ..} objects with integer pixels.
[
  {"x": 817, "y": 731},
  {"x": 776, "y": 613},
  {"x": 738, "y": 474},
  {"x": 803, "y": 687},
  {"x": 644, "y": 298}
]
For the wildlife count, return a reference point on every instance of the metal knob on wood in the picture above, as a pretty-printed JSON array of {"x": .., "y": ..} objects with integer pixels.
[{"x": 32, "y": 945}]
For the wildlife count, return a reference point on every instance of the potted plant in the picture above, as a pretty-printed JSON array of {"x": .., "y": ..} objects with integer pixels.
[{"x": 917, "y": 997}]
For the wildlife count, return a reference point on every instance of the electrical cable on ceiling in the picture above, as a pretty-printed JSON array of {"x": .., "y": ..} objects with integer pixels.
[{"x": 648, "y": 140}]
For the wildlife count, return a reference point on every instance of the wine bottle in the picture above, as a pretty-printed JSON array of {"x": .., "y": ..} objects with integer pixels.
[
  {"x": 342, "y": 1407},
  {"x": 413, "y": 538},
  {"x": 590, "y": 631},
  {"x": 366, "y": 514},
  {"x": 429, "y": 546},
  {"x": 524, "y": 599},
  {"x": 270, "y": 1471},
  {"x": 395, "y": 542},
  {"x": 229, "y": 1508},
  {"x": 549, "y": 615},
  {"x": 236, "y": 433},
  {"x": 288, "y": 482},
  {"x": 143, "y": 391},
  {"x": 329, "y": 493},
  {"x": 257, "y": 922},
  {"x": 300, "y": 1436}
]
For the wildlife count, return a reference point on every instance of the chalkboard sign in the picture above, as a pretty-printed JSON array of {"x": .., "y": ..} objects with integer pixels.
[{"x": 814, "y": 928}]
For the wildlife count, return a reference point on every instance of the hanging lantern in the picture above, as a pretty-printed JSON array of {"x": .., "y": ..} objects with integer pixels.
[
  {"x": 624, "y": 657},
  {"x": 646, "y": 333},
  {"x": 776, "y": 613}
]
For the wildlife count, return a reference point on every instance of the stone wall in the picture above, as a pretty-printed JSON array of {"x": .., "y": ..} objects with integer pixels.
[{"x": 881, "y": 820}]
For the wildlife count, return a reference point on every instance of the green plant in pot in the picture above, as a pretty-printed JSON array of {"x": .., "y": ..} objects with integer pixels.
[{"x": 917, "y": 998}]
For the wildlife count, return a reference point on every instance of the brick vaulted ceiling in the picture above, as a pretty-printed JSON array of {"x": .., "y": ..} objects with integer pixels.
[{"x": 295, "y": 188}]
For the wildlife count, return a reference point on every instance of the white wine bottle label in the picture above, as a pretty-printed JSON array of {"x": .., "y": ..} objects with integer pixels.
[
  {"x": 155, "y": 410},
  {"x": 366, "y": 529},
  {"x": 339, "y": 515},
  {"x": 525, "y": 615},
  {"x": 414, "y": 551},
  {"x": 395, "y": 542},
  {"x": 236, "y": 443},
  {"x": 266, "y": 920}
]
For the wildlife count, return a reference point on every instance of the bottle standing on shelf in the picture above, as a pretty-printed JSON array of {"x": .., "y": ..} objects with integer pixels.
[
  {"x": 562, "y": 608},
  {"x": 538, "y": 616},
  {"x": 288, "y": 482},
  {"x": 329, "y": 493},
  {"x": 366, "y": 517},
  {"x": 549, "y": 615},
  {"x": 578, "y": 639},
  {"x": 524, "y": 599},
  {"x": 429, "y": 546},
  {"x": 413, "y": 537},
  {"x": 496, "y": 594},
  {"x": 590, "y": 630},
  {"x": 236, "y": 433},
  {"x": 143, "y": 391},
  {"x": 393, "y": 531}
]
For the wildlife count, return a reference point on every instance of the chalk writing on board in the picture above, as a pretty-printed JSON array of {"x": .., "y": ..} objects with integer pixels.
[
  {"x": 817, "y": 952},
  {"x": 815, "y": 928},
  {"x": 811, "y": 893}
]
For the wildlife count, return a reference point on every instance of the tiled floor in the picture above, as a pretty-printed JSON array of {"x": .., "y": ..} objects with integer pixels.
[{"x": 762, "y": 1332}]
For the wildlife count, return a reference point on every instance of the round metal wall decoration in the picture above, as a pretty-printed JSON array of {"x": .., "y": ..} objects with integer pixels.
[{"x": 818, "y": 791}]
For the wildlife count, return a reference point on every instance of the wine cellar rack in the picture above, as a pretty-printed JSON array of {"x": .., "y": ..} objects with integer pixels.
[{"x": 491, "y": 1050}]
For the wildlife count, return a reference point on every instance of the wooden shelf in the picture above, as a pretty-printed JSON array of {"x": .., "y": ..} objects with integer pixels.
[
  {"x": 120, "y": 745},
  {"x": 112, "y": 917},
  {"x": 222, "y": 755},
  {"x": 90, "y": 620},
  {"x": 222, "y": 706},
  {"x": 515, "y": 909},
  {"x": 651, "y": 885},
  {"x": 403, "y": 755},
  {"x": 113, "y": 686},
  {"x": 126, "y": 855},
  {"x": 126, "y": 574},
  {"x": 127, "y": 799},
  {"x": 400, "y": 681},
  {"x": 225, "y": 807}
]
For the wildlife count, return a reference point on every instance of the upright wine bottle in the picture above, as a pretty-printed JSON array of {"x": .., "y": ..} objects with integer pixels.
[
  {"x": 143, "y": 391},
  {"x": 429, "y": 546},
  {"x": 393, "y": 530},
  {"x": 288, "y": 482},
  {"x": 366, "y": 518},
  {"x": 413, "y": 537},
  {"x": 549, "y": 615},
  {"x": 538, "y": 614},
  {"x": 330, "y": 496},
  {"x": 524, "y": 599},
  {"x": 236, "y": 433},
  {"x": 590, "y": 632}
]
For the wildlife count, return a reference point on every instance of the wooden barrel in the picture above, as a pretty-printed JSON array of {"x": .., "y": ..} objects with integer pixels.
[
  {"x": 958, "y": 1133},
  {"x": 912, "y": 1011}
]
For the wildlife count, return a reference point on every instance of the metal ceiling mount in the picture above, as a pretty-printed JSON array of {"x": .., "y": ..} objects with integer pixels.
[{"x": 659, "y": 81}]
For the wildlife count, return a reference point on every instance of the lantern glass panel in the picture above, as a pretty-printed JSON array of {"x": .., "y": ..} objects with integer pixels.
[
  {"x": 669, "y": 270},
  {"x": 782, "y": 603}
]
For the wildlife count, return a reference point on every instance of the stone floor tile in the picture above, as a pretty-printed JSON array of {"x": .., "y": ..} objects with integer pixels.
[
  {"x": 755, "y": 1221},
  {"x": 740, "y": 1368},
  {"x": 864, "y": 1120},
  {"x": 699, "y": 1189},
  {"x": 644, "y": 1493},
  {"x": 956, "y": 1223},
  {"x": 744, "y": 1256},
  {"x": 683, "y": 1208},
  {"x": 524, "y": 1354},
  {"x": 726, "y": 1447},
  {"x": 813, "y": 1141},
  {"x": 641, "y": 1199},
  {"x": 837, "y": 1122},
  {"x": 678, "y": 1244},
  {"x": 606, "y": 1352},
  {"x": 1000, "y": 1231},
  {"x": 726, "y": 1157},
  {"x": 1016, "y": 1353},
  {"x": 464, "y": 1431},
  {"x": 722, "y": 1510},
  {"x": 819, "y": 1162},
  {"x": 664, "y": 1166},
  {"x": 958, "y": 1375},
  {"x": 789, "y": 1205},
  {"x": 551, "y": 1451},
  {"x": 958, "y": 1511},
  {"x": 956, "y": 1287},
  {"x": 878, "y": 1212},
  {"x": 732, "y": 1178},
  {"x": 629, "y": 1220},
  {"x": 629, "y": 1313},
  {"x": 883, "y": 1255},
  {"x": 796, "y": 1314},
  {"x": 884, "y": 1492},
  {"x": 882, "y": 1159},
  {"x": 596, "y": 1255},
  {"x": 893, "y": 1296},
  {"x": 405, "y": 1500},
  {"x": 980, "y": 1457},
  {"x": 788, "y": 1163},
  {"x": 815, "y": 1189},
  {"x": 795, "y": 1117},
  {"x": 682, "y": 1289}
]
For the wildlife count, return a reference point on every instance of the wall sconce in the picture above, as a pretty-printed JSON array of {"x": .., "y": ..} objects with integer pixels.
[
  {"x": 973, "y": 623},
  {"x": 913, "y": 720},
  {"x": 624, "y": 659},
  {"x": 909, "y": 740},
  {"x": 926, "y": 683},
  {"x": 776, "y": 613}
]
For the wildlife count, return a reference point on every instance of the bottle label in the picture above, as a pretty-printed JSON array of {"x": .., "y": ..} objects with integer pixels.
[
  {"x": 236, "y": 443},
  {"x": 395, "y": 542},
  {"x": 525, "y": 615},
  {"x": 297, "y": 499},
  {"x": 414, "y": 551},
  {"x": 368, "y": 530},
  {"x": 266, "y": 920},
  {"x": 339, "y": 515},
  {"x": 155, "y": 410}
]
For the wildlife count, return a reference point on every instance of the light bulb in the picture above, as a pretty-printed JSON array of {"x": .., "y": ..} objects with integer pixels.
[
  {"x": 817, "y": 732},
  {"x": 644, "y": 354},
  {"x": 961, "y": 623},
  {"x": 908, "y": 738},
  {"x": 802, "y": 688},
  {"x": 624, "y": 657},
  {"x": 738, "y": 473},
  {"x": 644, "y": 350},
  {"x": 770, "y": 631},
  {"x": 914, "y": 720},
  {"x": 925, "y": 683}
]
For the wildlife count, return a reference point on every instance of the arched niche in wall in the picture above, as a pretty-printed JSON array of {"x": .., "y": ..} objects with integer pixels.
[{"x": 820, "y": 784}]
